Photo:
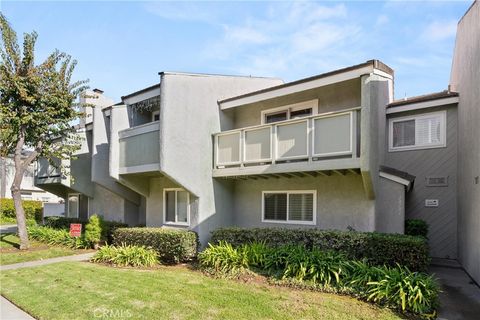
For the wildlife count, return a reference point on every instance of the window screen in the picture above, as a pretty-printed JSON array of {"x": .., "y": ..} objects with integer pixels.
[
  {"x": 300, "y": 207},
  {"x": 289, "y": 206},
  {"x": 276, "y": 206},
  {"x": 404, "y": 133}
]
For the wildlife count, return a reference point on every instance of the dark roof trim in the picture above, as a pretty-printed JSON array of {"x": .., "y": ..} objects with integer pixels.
[
  {"x": 400, "y": 174},
  {"x": 423, "y": 98},
  {"x": 141, "y": 91},
  {"x": 199, "y": 74},
  {"x": 375, "y": 63}
]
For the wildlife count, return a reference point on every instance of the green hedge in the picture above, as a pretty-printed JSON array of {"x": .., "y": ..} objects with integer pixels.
[
  {"x": 33, "y": 209},
  {"x": 376, "y": 248},
  {"x": 57, "y": 237},
  {"x": 172, "y": 245},
  {"x": 107, "y": 227},
  {"x": 416, "y": 227},
  {"x": 396, "y": 287}
]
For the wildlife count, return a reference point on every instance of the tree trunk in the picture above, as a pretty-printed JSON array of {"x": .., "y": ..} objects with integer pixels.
[
  {"x": 20, "y": 213},
  {"x": 20, "y": 168}
]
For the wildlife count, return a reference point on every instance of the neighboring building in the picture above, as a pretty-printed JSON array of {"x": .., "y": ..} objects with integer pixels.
[
  {"x": 333, "y": 151},
  {"x": 28, "y": 189}
]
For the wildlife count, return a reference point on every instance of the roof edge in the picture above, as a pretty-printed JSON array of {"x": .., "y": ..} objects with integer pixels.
[{"x": 425, "y": 97}]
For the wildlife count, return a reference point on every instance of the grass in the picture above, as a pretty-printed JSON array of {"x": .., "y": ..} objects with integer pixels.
[
  {"x": 9, "y": 252},
  {"x": 166, "y": 293}
]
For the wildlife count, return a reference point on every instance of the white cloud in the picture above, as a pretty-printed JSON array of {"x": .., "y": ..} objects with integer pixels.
[
  {"x": 439, "y": 30},
  {"x": 288, "y": 36}
]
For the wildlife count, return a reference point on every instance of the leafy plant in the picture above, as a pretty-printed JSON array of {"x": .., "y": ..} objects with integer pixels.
[
  {"x": 93, "y": 230},
  {"x": 126, "y": 255},
  {"x": 377, "y": 248},
  {"x": 57, "y": 237},
  {"x": 33, "y": 209},
  {"x": 172, "y": 245}
]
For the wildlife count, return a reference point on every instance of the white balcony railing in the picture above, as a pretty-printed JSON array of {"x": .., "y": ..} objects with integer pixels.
[{"x": 311, "y": 138}]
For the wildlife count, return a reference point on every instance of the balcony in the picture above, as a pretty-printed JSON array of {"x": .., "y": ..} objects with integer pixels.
[
  {"x": 310, "y": 144},
  {"x": 139, "y": 149},
  {"x": 46, "y": 173}
]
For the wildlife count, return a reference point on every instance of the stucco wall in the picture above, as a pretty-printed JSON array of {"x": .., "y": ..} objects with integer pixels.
[
  {"x": 107, "y": 204},
  {"x": 335, "y": 97},
  {"x": 390, "y": 207},
  {"x": 341, "y": 201},
  {"x": 436, "y": 162},
  {"x": 189, "y": 115},
  {"x": 465, "y": 79}
]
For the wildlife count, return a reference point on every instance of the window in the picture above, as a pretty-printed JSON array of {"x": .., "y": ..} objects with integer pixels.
[
  {"x": 177, "y": 206},
  {"x": 73, "y": 205},
  {"x": 417, "y": 132},
  {"x": 289, "y": 207},
  {"x": 294, "y": 111},
  {"x": 155, "y": 115}
]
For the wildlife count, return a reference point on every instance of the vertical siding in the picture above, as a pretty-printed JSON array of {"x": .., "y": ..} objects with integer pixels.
[{"x": 433, "y": 162}]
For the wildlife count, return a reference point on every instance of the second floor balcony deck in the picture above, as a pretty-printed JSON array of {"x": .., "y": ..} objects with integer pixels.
[{"x": 320, "y": 142}]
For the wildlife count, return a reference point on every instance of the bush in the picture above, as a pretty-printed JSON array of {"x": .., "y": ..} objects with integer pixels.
[
  {"x": 376, "y": 248},
  {"x": 33, "y": 209},
  {"x": 396, "y": 287},
  {"x": 57, "y": 237},
  {"x": 93, "y": 230},
  {"x": 107, "y": 227},
  {"x": 416, "y": 227},
  {"x": 172, "y": 245},
  {"x": 61, "y": 222},
  {"x": 125, "y": 255}
]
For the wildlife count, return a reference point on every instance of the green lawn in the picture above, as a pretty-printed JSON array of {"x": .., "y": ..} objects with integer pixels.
[
  {"x": 85, "y": 291},
  {"x": 9, "y": 252}
]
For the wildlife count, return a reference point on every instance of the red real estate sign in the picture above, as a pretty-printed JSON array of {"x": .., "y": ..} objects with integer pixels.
[{"x": 75, "y": 229}]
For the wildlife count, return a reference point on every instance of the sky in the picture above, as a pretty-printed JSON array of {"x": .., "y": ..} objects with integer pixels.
[{"x": 121, "y": 46}]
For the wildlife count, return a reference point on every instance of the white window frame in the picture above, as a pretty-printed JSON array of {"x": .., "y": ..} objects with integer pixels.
[
  {"x": 154, "y": 113},
  {"x": 176, "y": 223},
  {"x": 68, "y": 205},
  {"x": 288, "y": 221},
  {"x": 443, "y": 131},
  {"x": 289, "y": 108}
]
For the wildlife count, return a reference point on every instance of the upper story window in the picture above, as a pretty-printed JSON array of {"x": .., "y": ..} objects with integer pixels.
[
  {"x": 156, "y": 115},
  {"x": 418, "y": 131},
  {"x": 297, "y": 110}
]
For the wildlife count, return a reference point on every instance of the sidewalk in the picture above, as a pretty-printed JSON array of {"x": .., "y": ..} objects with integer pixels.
[
  {"x": 78, "y": 257},
  {"x": 9, "y": 311},
  {"x": 460, "y": 296}
]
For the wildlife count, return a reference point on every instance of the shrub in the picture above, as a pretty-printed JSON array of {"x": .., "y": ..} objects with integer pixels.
[
  {"x": 416, "y": 227},
  {"x": 172, "y": 245},
  {"x": 395, "y": 287},
  {"x": 107, "y": 227},
  {"x": 93, "y": 230},
  {"x": 376, "y": 248},
  {"x": 61, "y": 222},
  {"x": 126, "y": 255},
  {"x": 57, "y": 237},
  {"x": 33, "y": 209}
]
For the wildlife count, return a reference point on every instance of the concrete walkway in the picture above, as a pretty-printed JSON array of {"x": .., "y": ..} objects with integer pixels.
[
  {"x": 460, "y": 299},
  {"x": 8, "y": 228},
  {"x": 9, "y": 311},
  {"x": 77, "y": 257}
]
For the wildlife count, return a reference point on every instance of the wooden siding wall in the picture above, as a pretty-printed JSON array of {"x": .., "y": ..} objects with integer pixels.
[{"x": 432, "y": 162}]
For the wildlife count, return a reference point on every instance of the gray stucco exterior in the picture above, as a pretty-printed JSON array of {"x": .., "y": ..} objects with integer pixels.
[{"x": 465, "y": 79}]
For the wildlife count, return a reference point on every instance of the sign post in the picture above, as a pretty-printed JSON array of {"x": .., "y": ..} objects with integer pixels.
[{"x": 75, "y": 229}]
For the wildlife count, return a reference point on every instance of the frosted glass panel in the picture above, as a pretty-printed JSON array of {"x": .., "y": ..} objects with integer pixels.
[
  {"x": 332, "y": 135},
  {"x": 257, "y": 144},
  {"x": 228, "y": 148},
  {"x": 292, "y": 140}
]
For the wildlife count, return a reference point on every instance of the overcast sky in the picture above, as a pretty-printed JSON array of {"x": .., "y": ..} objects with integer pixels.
[{"x": 121, "y": 46}]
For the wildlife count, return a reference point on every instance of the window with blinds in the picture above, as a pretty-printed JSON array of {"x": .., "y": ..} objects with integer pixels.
[
  {"x": 289, "y": 206},
  {"x": 418, "y": 132}
]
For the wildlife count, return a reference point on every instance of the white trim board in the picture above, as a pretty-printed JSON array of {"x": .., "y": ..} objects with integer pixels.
[
  {"x": 405, "y": 182},
  {"x": 423, "y": 105}
]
